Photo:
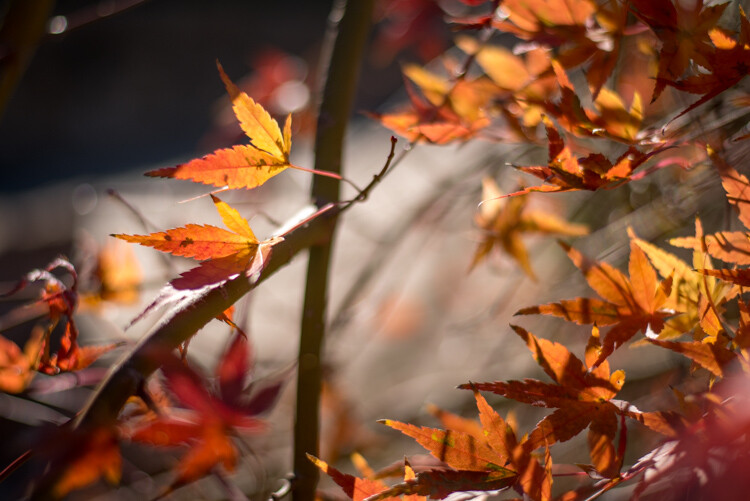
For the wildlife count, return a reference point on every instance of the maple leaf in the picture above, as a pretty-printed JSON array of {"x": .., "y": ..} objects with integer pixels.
[
  {"x": 614, "y": 118},
  {"x": 118, "y": 273},
  {"x": 546, "y": 21},
  {"x": 698, "y": 299},
  {"x": 510, "y": 72},
  {"x": 580, "y": 30},
  {"x": 727, "y": 64},
  {"x": 583, "y": 396},
  {"x": 533, "y": 480},
  {"x": 712, "y": 356},
  {"x": 211, "y": 274},
  {"x": 447, "y": 112},
  {"x": 524, "y": 83},
  {"x": 16, "y": 366},
  {"x": 225, "y": 253},
  {"x": 456, "y": 448},
  {"x": 605, "y": 44},
  {"x": 207, "y": 432},
  {"x": 683, "y": 30},
  {"x": 505, "y": 220},
  {"x": 730, "y": 246},
  {"x": 439, "y": 484},
  {"x": 88, "y": 455},
  {"x": 629, "y": 305},
  {"x": 736, "y": 276},
  {"x": 204, "y": 241},
  {"x": 487, "y": 460},
  {"x": 358, "y": 489},
  {"x": 565, "y": 172},
  {"x": 611, "y": 120},
  {"x": 709, "y": 448},
  {"x": 455, "y": 422},
  {"x": 242, "y": 166},
  {"x": 468, "y": 98}
]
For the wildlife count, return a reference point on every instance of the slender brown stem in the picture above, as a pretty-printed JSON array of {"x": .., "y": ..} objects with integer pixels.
[{"x": 349, "y": 27}]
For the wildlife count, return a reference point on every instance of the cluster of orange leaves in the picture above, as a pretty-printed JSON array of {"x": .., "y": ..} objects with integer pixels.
[{"x": 679, "y": 45}]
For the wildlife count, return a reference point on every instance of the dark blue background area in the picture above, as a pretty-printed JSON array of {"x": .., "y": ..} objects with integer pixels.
[{"x": 137, "y": 89}]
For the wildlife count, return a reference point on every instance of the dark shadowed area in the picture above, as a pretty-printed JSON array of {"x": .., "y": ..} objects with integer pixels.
[{"x": 140, "y": 87}]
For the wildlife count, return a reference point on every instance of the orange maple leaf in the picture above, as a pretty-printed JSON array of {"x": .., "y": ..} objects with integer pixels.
[
  {"x": 16, "y": 366},
  {"x": 730, "y": 246},
  {"x": 713, "y": 357},
  {"x": 546, "y": 20},
  {"x": 629, "y": 305},
  {"x": 242, "y": 166},
  {"x": 605, "y": 44},
  {"x": 440, "y": 483},
  {"x": 580, "y": 30},
  {"x": 458, "y": 449},
  {"x": 205, "y": 242},
  {"x": 89, "y": 455},
  {"x": 566, "y": 172},
  {"x": 446, "y": 113},
  {"x": 582, "y": 395},
  {"x": 611, "y": 119},
  {"x": 358, "y": 489},
  {"x": 699, "y": 299},
  {"x": 524, "y": 83},
  {"x": 503, "y": 221},
  {"x": 492, "y": 457},
  {"x": 207, "y": 429},
  {"x": 118, "y": 272},
  {"x": 60, "y": 300}
]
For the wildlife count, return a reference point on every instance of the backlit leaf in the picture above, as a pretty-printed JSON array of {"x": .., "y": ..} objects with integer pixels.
[
  {"x": 504, "y": 221},
  {"x": 96, "y": 454},
  {"x": 203, "y": 241},
  {"x": 499, "y": 435},
  {"x": 566, "y": 172},
  {"x": 709, "y": 356},
  {"x": 637, "y": 302},
  {"x": 17, "y": 367},
  {"x": 438, "y": 484},
  {"x": 242, "y": 166},
  {"x": 459, "y": 450}
]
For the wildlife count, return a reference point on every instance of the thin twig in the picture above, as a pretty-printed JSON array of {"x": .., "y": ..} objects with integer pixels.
[
  {"x": 376, "y": 178},
  {"x": 147, "y": 225}
]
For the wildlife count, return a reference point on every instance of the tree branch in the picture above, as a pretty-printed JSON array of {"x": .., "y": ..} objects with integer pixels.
[
  {"x": 350, "y": 22},
  {"x": 180, "y": 324}
]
